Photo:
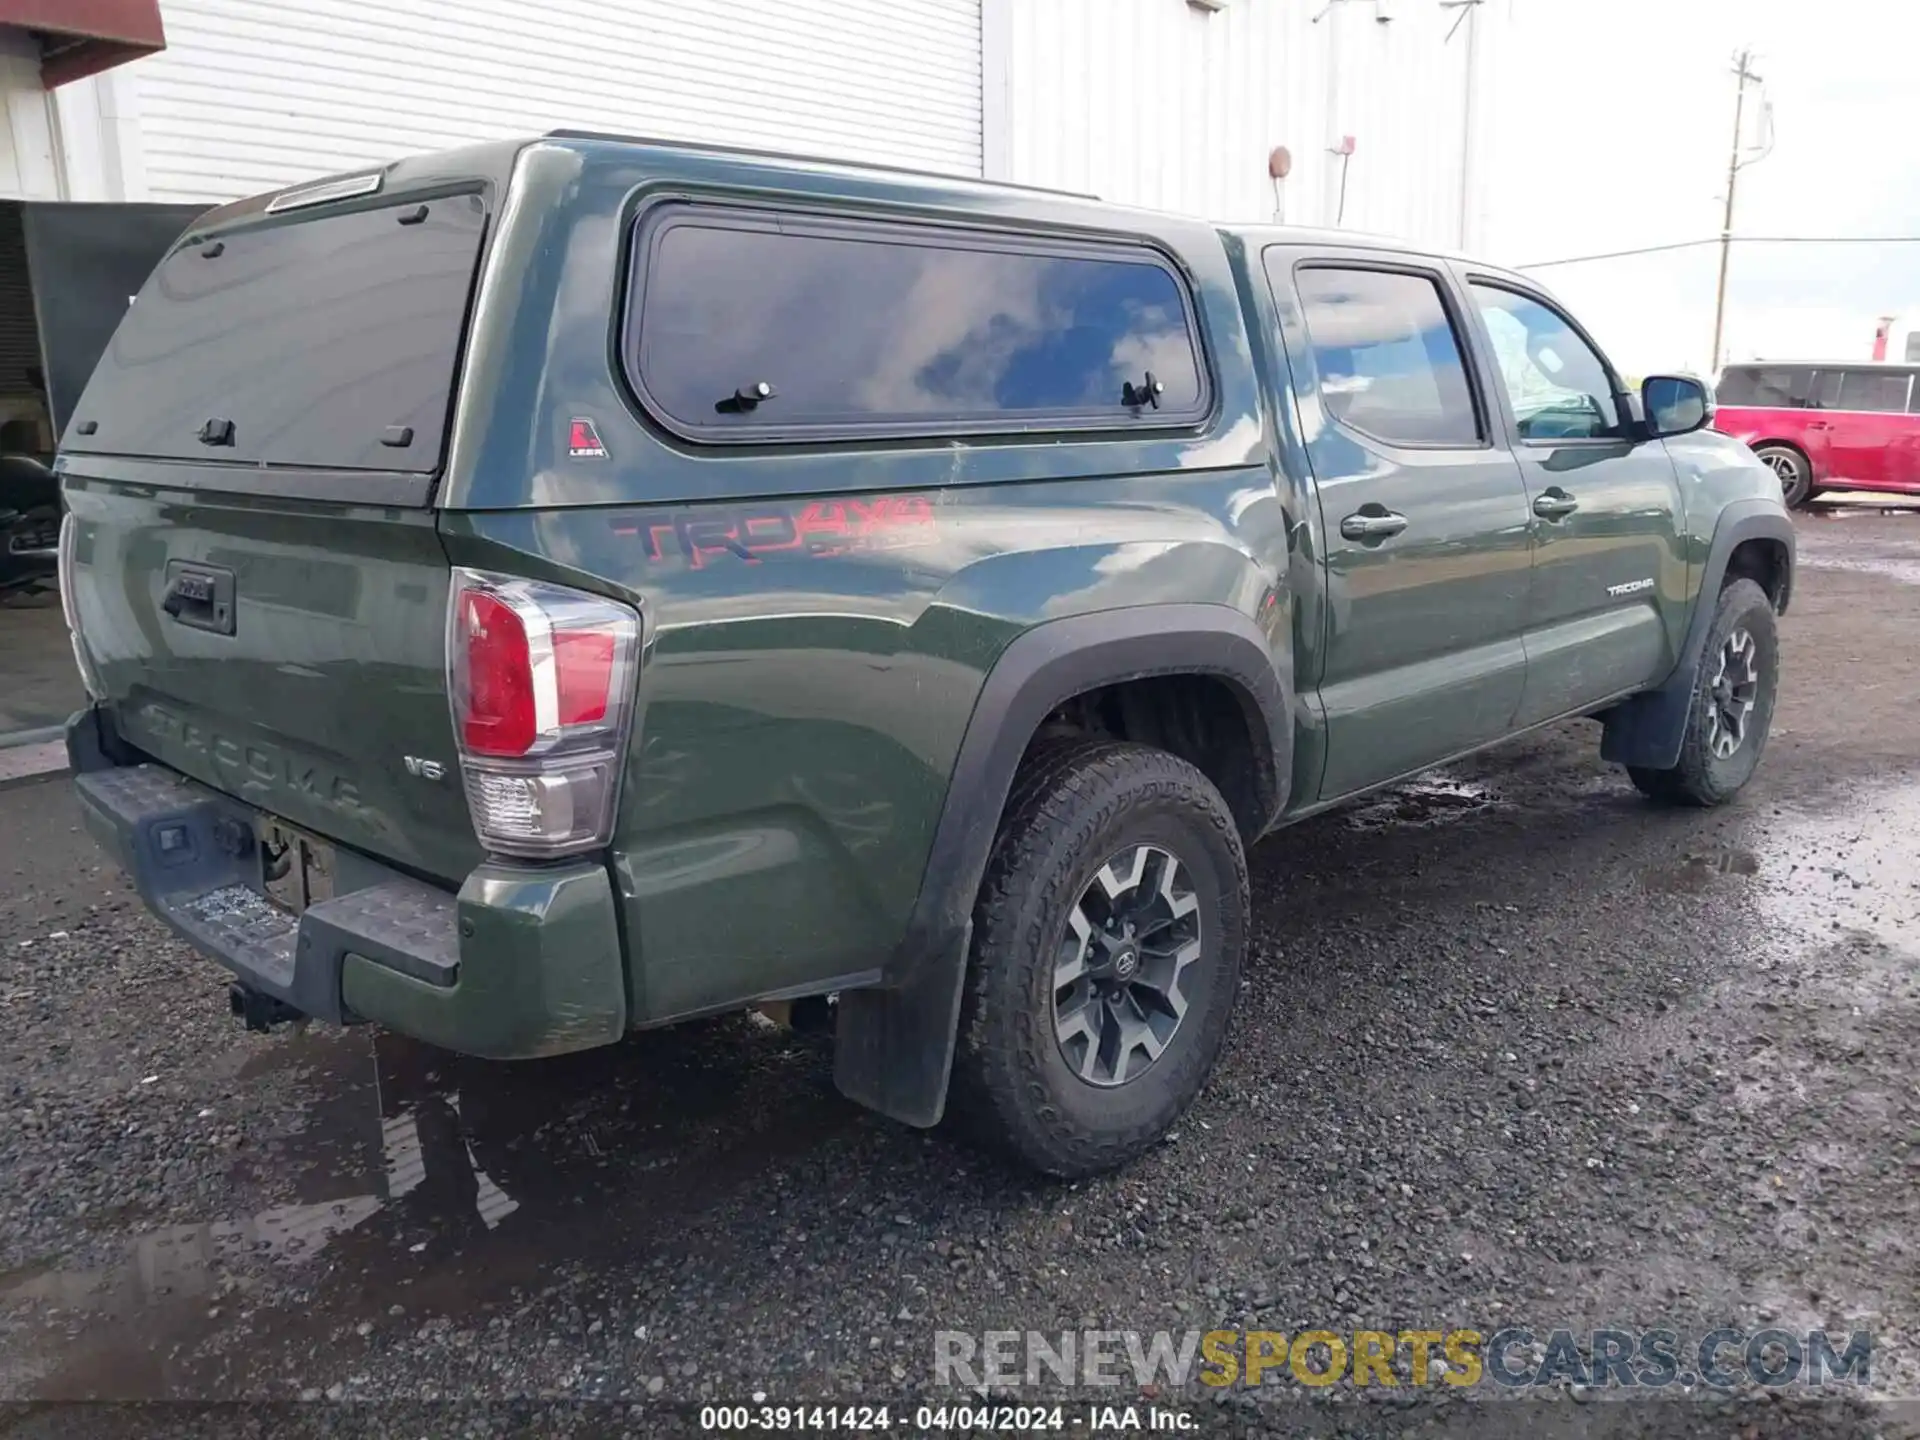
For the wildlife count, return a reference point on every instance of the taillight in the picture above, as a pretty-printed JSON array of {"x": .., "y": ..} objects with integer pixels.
[{"x": 541, "y": 680}]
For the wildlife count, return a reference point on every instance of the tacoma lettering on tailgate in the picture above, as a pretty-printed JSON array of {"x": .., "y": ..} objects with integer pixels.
[{"x": 250, "y": 766}]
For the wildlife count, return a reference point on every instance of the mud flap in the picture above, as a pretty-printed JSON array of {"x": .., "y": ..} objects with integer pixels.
[
  {"x": 893, "y": 1047},
  {"x": 1647, "y": 730}
]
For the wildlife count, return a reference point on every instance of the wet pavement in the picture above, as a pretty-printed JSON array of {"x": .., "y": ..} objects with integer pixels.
[
  {"x": 41, "y": 687},
  {"x": 1512, "y": 1045}
]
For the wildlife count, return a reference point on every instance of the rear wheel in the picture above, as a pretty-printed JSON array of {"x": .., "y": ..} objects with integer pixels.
[
  {"x": 1106, "y": 956},
  {"x": 1732, "y": 707},
  {"x": 1796, "y": 475}
]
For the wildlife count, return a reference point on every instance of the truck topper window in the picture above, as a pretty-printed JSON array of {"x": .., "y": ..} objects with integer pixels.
[{"x": 752, "y": 325}]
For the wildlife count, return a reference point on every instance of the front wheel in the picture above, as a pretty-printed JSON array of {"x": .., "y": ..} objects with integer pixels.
[
  {"x": 1796, "y": 474},
  {"x": 1106, "y": 955},
  {"x": 1732, "y": 708}
]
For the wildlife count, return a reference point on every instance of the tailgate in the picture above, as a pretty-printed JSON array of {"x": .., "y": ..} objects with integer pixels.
[
  {"x": 255, "y": 575},
  {"x": 331, "y": 683}
]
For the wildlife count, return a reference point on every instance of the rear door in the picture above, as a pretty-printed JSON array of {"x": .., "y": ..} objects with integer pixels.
[
  {"x": 259, "y": 585},
  {"x": 1424, "y": 512},
  {"x": 1607, "y": 602},
  {"x": 1867, "y": 420}
]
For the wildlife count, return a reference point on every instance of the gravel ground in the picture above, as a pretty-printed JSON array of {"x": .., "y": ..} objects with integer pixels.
[{"x": 1514, "y": 1048}]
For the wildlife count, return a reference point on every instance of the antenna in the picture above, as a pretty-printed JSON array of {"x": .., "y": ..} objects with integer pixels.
[
  {"x": 1382, "y": 10},
  {"x": 1466, "y": 8}
]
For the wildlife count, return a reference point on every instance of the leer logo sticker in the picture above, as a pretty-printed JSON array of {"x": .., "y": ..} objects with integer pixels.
[{"x": 583, "y": 440}]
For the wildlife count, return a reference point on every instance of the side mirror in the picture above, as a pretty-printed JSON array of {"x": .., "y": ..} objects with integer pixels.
[{"x": 1675, "y": 405}]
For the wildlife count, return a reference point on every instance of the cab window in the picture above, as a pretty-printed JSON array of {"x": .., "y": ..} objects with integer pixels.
[
  {"x": 1387, "y": 356},
  {"x": 1558, "y": 385}
]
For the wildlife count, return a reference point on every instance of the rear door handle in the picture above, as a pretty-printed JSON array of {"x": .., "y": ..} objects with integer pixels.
[
  {"x": 200, "y": 596},
  {"x": 1372, "y": 526},
  {"x": 1555, "y": 504}
]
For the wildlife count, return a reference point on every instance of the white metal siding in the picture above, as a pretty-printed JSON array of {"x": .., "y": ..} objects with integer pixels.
[
  {"x": 1163, "y": 104},
  {"x": 28, "y": 139},
  {"x": 250, "y": 95}
]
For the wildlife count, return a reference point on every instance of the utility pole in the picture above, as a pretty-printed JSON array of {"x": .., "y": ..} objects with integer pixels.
[
  {"x": 1469, "y": 14},
  {"x": 1743, "y": 72}
]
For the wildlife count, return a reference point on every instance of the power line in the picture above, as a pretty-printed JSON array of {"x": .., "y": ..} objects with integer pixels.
[
  {"x": 1619, "y": 254},
  {"x": 1737, "y": 240}
]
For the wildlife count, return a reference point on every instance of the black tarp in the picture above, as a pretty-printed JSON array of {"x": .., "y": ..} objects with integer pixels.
[{"x": 85, "y": 264}]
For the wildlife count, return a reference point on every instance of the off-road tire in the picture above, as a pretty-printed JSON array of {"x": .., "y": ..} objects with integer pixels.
[
  {"x": 1701, "y": 777},
  {"x": 1796, "y": 474},
  {"x": 1074, "y": 807}
]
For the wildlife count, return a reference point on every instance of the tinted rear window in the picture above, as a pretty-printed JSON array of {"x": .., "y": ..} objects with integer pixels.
[
  {"x": 1873, "y": 390},
  {"x": 1770, "y": 388},
  {"x": 322, "y": 338},
  {"x": 875, "y": 327}
]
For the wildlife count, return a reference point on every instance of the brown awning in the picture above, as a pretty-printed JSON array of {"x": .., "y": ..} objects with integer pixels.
[{"x": 83, "y": 37}]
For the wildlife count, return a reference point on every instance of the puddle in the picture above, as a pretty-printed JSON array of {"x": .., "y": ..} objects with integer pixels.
[
  {"x": 1907, "y": 572},
  {"x": 1844, "y": 871},
  {"x": 1892, "y": 552},
  {"x": 1703, "y": 868},
  {"x": 1818, "y": 511},
  {"x": 438, "y": 1182},
  {"x": 1436, "y": 799},
  {"x": 1847, "y": 872},
  {"x": 184, "y": 1262}
]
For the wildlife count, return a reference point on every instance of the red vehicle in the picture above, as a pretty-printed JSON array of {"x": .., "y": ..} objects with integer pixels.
[{"x": 1849, "y": 425}]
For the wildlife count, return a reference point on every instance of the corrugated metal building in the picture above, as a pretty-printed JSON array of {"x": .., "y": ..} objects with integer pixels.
[{"x": 1169, "y": 103}]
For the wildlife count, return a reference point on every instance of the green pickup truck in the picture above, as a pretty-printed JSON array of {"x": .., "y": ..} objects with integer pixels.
[{"x": 555, "y": 589}]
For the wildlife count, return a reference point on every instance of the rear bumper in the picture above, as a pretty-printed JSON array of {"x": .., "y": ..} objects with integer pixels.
[{"x": 524, "y": 961}]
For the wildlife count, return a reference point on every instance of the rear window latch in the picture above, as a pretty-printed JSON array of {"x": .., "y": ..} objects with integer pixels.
[{"x": 1141, "y": 396}]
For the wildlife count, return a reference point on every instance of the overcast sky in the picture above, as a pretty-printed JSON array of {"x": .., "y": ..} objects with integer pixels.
[{"x": 1614, "y": 120}]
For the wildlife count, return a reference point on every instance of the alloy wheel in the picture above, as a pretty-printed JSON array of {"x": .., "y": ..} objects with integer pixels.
[
  {"x": 1120, "y": 975},
  {"x": 1732, "y": 694},
  {"x": 1786, "y": 468}
]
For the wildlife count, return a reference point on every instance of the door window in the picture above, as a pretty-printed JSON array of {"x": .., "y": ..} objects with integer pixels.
[
  {"x": 1763, "y": 387},
  {"x": 1558, "y": 385},
  {"x": 1879, "y": 391},
  {"x": 1387, "y": 356}
]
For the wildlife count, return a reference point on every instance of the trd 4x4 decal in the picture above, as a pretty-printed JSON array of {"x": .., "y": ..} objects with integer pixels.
[{"x": 820, "y": 529}]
